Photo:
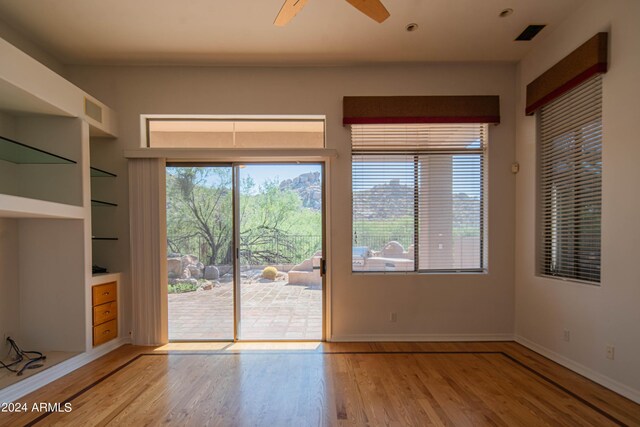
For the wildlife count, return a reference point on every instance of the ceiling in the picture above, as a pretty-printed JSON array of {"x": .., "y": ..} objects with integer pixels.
[{"x": 241, "y": 32}]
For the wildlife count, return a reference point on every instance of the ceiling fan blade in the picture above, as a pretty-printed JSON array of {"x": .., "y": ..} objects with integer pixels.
[
  {"x": 289, "y": 9},
  {"x": 374, "y": 9}
]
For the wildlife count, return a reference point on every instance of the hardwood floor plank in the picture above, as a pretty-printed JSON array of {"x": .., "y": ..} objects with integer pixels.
[{"x": 345, "y": 384}]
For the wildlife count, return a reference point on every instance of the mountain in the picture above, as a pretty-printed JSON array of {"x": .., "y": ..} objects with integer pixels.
[{"x": 309, "y": 188}]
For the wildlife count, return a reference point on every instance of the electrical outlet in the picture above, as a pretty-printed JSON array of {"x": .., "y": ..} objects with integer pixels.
[
  {"x": 566, "y": 335},
  {"x": 611, "y": 352},
  {"x": 393, "y": 316}
]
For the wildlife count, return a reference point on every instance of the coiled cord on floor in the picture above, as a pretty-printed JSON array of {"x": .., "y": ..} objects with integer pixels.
[{"x": 33, "y": 357}]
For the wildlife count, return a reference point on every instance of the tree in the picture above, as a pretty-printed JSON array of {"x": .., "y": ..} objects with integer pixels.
[
  {"x": 265, "y": 222},
  {"x": 274, "y": 226},
  {"x": 199, "y": 205}
]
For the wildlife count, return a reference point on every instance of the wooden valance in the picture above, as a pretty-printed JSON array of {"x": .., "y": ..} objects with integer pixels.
[
  {"x": 581, "y": 64},
  {"x": 420, "y": 109}
]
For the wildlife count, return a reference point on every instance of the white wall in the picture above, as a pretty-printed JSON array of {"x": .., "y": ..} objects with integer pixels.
[
  {"x": 52, "y": 284},
  {"x": 428, "y": 306},
  {"x": 595, "y": 315},
  {"x": 9, "y": 301},
  {"x": 9, "y": 314}
]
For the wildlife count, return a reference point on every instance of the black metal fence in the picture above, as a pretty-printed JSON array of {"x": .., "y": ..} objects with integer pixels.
[
  {"x": 287, "y": 249},
  {"x": 293, "y": 249},
  {"x": 378, "y": 241}
]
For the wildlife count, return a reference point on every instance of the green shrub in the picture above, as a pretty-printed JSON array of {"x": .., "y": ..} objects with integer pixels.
[
  {"x": 270, "y": 273},
  {"x": 180, "y": 288}
]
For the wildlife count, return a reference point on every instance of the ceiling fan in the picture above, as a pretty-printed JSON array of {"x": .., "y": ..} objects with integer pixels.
[{"x": 374, "y": 9}]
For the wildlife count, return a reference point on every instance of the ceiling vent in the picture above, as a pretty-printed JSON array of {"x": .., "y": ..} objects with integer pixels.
[{"x": 530, "y": 32}]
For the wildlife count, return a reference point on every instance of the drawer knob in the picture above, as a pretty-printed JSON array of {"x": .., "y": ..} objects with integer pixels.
[
  {"x": 107, "y": 312},
  {"x": 105, "y": 293},
  {"x": 108, "y": 331}
]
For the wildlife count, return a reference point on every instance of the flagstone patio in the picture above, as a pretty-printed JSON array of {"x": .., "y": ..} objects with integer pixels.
[{"x": 270, "y": 310}]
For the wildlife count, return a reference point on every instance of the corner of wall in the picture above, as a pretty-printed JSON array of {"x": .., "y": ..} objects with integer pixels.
[
  {"x": 597, "y": 316},
  {"x": 17, "y": 38}
]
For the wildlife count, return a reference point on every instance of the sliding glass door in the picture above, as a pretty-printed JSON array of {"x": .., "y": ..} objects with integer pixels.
[
  {"x": 280, "y": 248},
  {"x": 245, "y": 251},
  {"x": 200, "y": 252}
]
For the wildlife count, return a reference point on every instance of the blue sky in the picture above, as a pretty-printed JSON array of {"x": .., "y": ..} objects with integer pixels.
[{"x": 262, "y": 173}]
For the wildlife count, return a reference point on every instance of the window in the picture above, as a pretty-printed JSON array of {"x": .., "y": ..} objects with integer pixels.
[
  {"x": 418, "y": 197},
  {"x": 570, "y": 183},
  {"x": 235, "y": 133}
]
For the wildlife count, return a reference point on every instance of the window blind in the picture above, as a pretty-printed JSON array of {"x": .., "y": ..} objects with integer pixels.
[
  {"x": 418, "y": 197},
  {"x": 570, "y": 183}
]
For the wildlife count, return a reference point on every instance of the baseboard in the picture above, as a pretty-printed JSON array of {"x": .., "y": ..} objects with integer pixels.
[
  {"x": 34, "y": 382},
  {"x": 421, "y": 337},
  {"x": 585, "y": 371}
]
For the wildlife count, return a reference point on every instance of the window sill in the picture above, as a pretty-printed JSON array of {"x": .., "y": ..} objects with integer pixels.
[
  {"x": 421, "y": 273},
  {"x": 567, "y": 279}
]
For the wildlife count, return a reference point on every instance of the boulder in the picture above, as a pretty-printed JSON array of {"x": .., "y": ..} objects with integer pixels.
[
  {"x": 174, "y": 267},
  {"x": 393, "y": 250},
  {"x": 195, "y": 271},
  {"x": 211, "y": 272},
  {"x": 189, "y": 260},
  {"x": 186, "y": 274},
  {"x": 206, "y": 285}
]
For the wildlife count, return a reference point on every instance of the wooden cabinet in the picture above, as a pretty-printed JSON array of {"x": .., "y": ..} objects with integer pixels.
[{"x": 105, "y": 312}]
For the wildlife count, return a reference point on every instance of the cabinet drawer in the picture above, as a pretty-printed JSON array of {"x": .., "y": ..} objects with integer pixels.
[
  {"x": 104, "y": 293},
  {"x": 105, "y": 312},
  {"x": 105, "y": 332}
]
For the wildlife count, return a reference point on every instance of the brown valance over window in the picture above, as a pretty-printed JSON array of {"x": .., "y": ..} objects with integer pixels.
[
  {"x": 420, "y": 109},
  {"x": 577, "y": 67}
]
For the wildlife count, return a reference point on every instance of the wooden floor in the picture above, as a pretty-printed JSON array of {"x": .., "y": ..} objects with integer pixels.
[{"x": 402, "y": 384}]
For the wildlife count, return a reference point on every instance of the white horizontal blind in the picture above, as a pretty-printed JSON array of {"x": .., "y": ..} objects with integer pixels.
[
  {"x": 420, "y": 186},
  {"x": 383, "y": 206},
  {"x": 570, "y": 183},
  {"x": 417, "y": 138}
]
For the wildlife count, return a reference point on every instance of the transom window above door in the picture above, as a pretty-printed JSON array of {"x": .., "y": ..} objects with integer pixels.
[{"x": 240, "y": 132}]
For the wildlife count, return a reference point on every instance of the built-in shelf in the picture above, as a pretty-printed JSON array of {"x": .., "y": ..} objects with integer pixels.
[
  {"x": 23, "y": 207},
  {"x": 101, "y": 203},
  {"x": 53, "y": 124},
  {"x": 100, "y": 278},
  {"x": 19, "y": 153},
  {"x": 99, "y": 173}
]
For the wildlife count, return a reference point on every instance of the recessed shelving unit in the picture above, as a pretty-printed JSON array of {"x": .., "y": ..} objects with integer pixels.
[
  {"x": 19, "y": 153},
  {"x": 45, "y": 123}
]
